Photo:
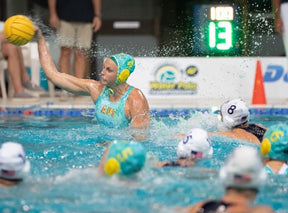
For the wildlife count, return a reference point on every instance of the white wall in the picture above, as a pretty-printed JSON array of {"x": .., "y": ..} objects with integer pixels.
[{"x": 218, "y": 78}]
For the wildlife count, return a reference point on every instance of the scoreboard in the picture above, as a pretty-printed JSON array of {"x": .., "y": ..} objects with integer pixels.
[{"x": 217, "y": 30}]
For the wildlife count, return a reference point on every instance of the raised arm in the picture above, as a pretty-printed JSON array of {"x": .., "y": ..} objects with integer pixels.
[
  {"x": 65, "y": 81},
  {"x": 276, "y": 5},
  {"x": 102, "y": 161},
  {"x": 240, "y": 134}
]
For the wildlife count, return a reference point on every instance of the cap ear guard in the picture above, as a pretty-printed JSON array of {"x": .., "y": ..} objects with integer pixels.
[
  {"x": 123, "y": 75},
  {"x": 125, "y": 64},
  {"x": 111, "y": 167}
]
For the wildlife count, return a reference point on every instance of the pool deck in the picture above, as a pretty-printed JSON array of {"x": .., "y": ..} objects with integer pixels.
[
  {"x": 155, "y": 103},
  {"x": 47, "y": 102}
]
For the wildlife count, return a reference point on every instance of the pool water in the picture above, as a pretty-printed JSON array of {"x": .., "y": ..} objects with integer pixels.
[{"x": 64, "y": 153}]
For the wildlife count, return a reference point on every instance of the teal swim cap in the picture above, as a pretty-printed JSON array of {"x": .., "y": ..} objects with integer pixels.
[
  {"x": 124, "y": 158},
  {"x": 126, "y": 65},
  {"x": 275, "y": 142}
]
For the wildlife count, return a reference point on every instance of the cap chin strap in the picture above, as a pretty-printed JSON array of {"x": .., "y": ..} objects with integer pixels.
[
  {"x": 111, "y": 91},
  {"x": 246, "y": 122}
]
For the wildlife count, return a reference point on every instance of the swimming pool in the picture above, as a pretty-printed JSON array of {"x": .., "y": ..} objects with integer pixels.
[{"x": 64, "y": 147}]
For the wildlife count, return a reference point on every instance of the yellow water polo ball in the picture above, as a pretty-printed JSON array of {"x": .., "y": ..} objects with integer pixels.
[{"x": 18, "y": 30}]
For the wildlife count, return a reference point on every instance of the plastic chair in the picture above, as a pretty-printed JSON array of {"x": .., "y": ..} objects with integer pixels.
[
  {"x": 3, "y": 64},
  {"x": 34, "y": 64},
  {"x": 31, "y": 59}
]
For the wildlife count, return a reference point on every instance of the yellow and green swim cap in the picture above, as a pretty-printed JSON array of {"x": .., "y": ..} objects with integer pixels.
[
  {"x": 126, "y": 65},
  {"x": 124, "y": 158},
  {"x": 275, "y": 143}
]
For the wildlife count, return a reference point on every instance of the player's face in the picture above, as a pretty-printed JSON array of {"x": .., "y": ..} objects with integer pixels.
[{"x": 109, "y": 72}]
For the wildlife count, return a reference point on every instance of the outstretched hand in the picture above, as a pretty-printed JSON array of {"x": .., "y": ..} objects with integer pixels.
[{"x": 38, "y": 33}]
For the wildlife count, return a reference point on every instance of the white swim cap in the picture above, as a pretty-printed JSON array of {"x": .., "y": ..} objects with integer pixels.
[
  {"x": 234, "y": 113},
  {"x": 13, "y": 163},
  {"x": 195, "y": 145},
  {"x": 243, "y": 169}
]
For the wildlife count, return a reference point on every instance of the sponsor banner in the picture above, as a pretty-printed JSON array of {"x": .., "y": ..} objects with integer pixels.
[{"x": 216, "y": 77}]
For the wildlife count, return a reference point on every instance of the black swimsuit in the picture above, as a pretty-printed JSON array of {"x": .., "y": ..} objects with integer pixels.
[
  {"x": 256, "y": 130},
  {"x": 214, "y": 207},
  {"x": 172, "y": 163}
]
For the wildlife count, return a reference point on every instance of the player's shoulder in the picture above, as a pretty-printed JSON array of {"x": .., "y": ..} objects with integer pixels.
[
  {"x": 261, "y": 209},
  {"x": 136, "y": 92}
]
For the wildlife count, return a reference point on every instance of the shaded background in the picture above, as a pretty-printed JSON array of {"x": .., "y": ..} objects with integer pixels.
[{"x": 166, "y": 28}]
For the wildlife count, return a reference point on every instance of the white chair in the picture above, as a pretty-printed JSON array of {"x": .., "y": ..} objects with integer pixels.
[
  {"x": 31, "y": 59},
  {"x": 3, "y": 65}
]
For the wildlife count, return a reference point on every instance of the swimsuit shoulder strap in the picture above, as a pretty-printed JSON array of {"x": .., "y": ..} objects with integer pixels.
[
  {"x": 284, "y": 169},
  {"x": 256, "y": 130},
  {"x": 269, "y": 170},
  {"x": 214, "y": 206}
]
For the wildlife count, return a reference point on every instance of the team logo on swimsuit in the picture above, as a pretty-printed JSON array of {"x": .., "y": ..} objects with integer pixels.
[{"x": 108, "y": 111}]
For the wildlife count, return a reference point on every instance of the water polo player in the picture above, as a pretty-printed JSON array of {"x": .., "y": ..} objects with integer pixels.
[
  {"x": 242, "y": 175},
  {"x": 235, "y": 116},
  {"x": 274, "y": 149},
  {"x": 193, "y": 147},
  {"x": 122, "y": 158},
  {"x": 118, "y": 104},
  {"x": 13, "y": 164}
]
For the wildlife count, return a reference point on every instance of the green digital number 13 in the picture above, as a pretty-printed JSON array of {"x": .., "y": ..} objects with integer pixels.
[{"x": 220, "y": 35}]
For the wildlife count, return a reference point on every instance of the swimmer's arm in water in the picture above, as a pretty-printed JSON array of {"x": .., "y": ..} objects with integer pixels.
[
  {"x": 139, "y": 113},
  {"x": 192, "y": 209},
  {"x": 180, "y": 135},
  {"x": 261, "y": 209},
  {"x": 102, "y": 162},
  {"x": 160, "y": 164},
  {"x": 240, "y": 134},
  {"x": 228, "y": 134},
  {"x": 65, "y": 81}
]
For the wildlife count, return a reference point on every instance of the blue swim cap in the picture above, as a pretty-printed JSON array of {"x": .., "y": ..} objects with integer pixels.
[
  {"x": 124, "y": 158},
  {"x": 126, "y": 65},
  {"x": 275, "y": 142}
]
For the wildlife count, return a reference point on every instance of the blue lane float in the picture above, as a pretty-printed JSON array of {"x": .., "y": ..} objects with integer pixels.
[{"x": 154, "y": 112}]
